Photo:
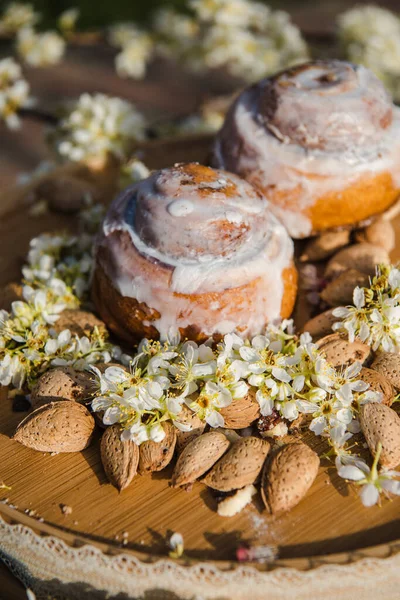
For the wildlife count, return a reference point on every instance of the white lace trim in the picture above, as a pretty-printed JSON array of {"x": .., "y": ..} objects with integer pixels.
[{"x": 86, "y": 572}]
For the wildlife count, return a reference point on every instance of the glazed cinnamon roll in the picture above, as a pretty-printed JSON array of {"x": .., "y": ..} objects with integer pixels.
[
  {"x": 321, "y": 140},
  {"x": 192, "y": 249}
]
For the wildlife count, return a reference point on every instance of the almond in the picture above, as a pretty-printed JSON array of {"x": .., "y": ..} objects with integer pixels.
[
  {"x": 155, "y": 456},
  {"x": 288, "y": 476},
  {"x": 380, "y": 233},
  {"x": 198, "y": 457},
  {"x": 321, "y": 325},
  {"x": 339, "y": 291},
  {"x": 79, "y": 322},
  {"x": 322, "y": 247},
  {"x": 339, "y": 352},
  {"x": 9, "y": 293},
  {"x": 240, "y": 466},
  {"x": 388, "y": 364},
  {"x": 188, "y": 417},
  {"x": 120, "y": 459},
  {"x": 57, "y": 427},
  {"x": 378, "y": 383},
  {"x": 242, "y": 412},
  {"x": 63, "y": 383},
  {"x": 362, "y": 257},
  {"x": 381, "y": 424}
]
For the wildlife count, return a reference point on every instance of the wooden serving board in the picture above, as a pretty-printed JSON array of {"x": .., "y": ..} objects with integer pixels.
[{"x": 329, "y": 525}]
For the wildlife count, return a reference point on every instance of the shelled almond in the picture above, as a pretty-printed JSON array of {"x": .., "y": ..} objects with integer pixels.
[
  {"x": 57, "y": 427},
  {"x": 380, "y": 424},
  {"x": 288, "y": 476},
  {"x": 321, "y": 325},
  {"x": 339, "y": 352},
  {"x": 380, "y": 233},
  {"x": 155, "y": 456},
  {"x": 197, "y": 426},
  {"x": 198, "y": 457},
  {"x": 120, "y": 459},
  {"x": 323, "y": 246},
  {"x": 240, "y": 466},
  {"x": 378, "y": 383},
  {"x": 362, "y": 257},
  {"x": 388, "y": 365},
  {"x": 62, "y": 383},
  {"x": 339, "y": 291},
  {"x": 242, "y": 412}
]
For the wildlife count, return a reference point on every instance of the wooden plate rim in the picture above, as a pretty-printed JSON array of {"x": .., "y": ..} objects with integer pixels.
[{"x": 12, "y": 516}]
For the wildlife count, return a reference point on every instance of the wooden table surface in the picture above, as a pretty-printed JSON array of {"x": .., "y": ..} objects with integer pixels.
[{"x": 166, "y": 91}]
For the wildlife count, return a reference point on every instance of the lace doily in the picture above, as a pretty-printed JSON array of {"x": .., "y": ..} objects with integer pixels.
[{"x": 53, "y": 569}]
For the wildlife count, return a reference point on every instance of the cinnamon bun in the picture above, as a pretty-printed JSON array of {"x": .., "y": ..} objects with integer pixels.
[
  {"x": 321, "y": 140},
  {"x": 192, "y": 249}
]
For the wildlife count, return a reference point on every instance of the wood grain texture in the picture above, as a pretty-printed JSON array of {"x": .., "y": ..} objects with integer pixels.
[{"x": 329, "y": 520}]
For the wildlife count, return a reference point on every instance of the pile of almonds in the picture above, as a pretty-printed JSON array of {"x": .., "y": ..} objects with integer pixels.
[
  {"x": 347, "y": 259},
  {"x": 251, "y": 452},
  {"x": 235, "y": 461}
]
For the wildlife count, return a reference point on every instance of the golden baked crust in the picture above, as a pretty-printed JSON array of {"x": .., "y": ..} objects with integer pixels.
[
  {"x": 365, "y": 198},
  {"x": 131, "y": 320},
  {"x": 320, "y": 140}
]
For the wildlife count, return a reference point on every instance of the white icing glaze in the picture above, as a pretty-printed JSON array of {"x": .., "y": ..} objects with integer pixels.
[
  {"x": 317, "y": 129},
  {"x": 228, "y": 240}
]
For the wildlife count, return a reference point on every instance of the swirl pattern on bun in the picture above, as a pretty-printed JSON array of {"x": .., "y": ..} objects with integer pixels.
[
  {"x": 194, "y": 249},
  {"x": 321, "y": 140}
]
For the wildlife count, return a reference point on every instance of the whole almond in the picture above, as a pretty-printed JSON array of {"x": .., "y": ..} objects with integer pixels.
[
  {"x": 322, "y": 247},
  {"x": 120, "y": 459},
  {"x": 62, "y": 383},
  {"x": 288, "y": 476},
  {"x": 321, "y": 325},
  {"x": 339, "y": 352},
  {"x": 378, "y": 383},
  {"x": 198, "y": 457},
  {"x": 381, "y": 424},
  {"x": 240, "y": 466},
  {"x": 57, "y": 427},
  {"x": 362, "y": 257},
  {"x": 188, "y": 417},
  {"x": 380, "y": 233},
  {"x": 339, "y": 291},
  {"x": 155, "y": 456},
  {"x": 242, "y": 412},
  {"x": 388, "y": 364},
  {"x": 79, "y": 322}
]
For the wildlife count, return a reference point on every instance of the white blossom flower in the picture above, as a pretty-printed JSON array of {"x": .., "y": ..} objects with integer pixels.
[
  {"x": 176, "y": 33},
  {"x": 120, "y": 34},
  {"x": 135, "y": 55},
  {"x": 14, "y": 92},
  {"x": 374, "y": 317},
  {"x": 370, "y": 35},
  {"x": 194, "y": 364},
  {"x": 209, "y": 402},
  {"x": 16, "y": 16},
  {"x": 40, "y": 49},
  {"x": 372, "y": 482},
  {"x": 98, "y": 125},
  {"x": 131, "y": 172},
  {"x": 67, "y": 20}
]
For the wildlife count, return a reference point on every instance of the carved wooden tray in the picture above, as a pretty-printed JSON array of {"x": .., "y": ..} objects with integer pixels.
[{"x": 329, "y": 525}]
